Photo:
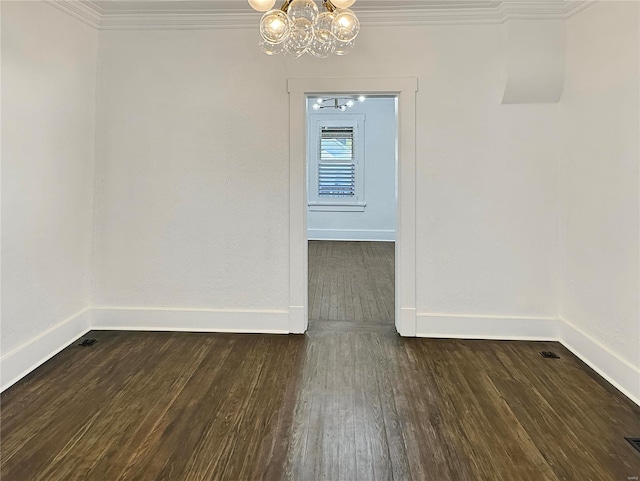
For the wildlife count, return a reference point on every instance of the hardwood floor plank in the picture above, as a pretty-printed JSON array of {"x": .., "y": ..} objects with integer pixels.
[
  {"x": 65, "y": 421},
  {"x": 425, "y": 440},
  {"x": 103, "y": 436},
  {"x": 347, "y": 441},
  {"x": 351, "y": 281},
  {"x": 37, "y": 390},
  {"x": 364, "y": 452},
  {"x": 134, "y": 449},
  {"x": 387, "y": 373},
  {"x": 571, "y": 399},
  {"x": 297, "y": 445},
  {"x": 355, "y": 403}
]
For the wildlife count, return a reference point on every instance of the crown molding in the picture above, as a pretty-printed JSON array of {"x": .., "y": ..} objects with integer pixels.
[
  {"x": 86, "y": 13},
  {"x": 178, "y": 21},
  {"x": 535, "y": 10},
  {"x": 159, "y": 17}
]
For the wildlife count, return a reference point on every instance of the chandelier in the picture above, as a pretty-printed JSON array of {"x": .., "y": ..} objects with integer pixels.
[
  {"x": 338, "y": 103},
  {"x": 299, "y": 27}
]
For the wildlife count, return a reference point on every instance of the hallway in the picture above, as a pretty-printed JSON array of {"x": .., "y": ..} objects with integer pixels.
[{"x": 351, "y": 281}]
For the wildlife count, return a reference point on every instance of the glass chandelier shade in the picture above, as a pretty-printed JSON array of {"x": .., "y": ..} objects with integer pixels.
[
  {"x": 343, "y": 3},
  {"x": 262, "y": 5},
  {"x": 275, "y": 26},
  {"x": 345, "y": 25},
  {"x": 300, "y": 27},
  {"x": 303, "y": 9}
]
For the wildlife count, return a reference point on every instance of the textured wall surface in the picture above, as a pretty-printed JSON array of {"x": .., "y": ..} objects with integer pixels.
[
  {"x": 192, "y": 153},
  {"x": 600, "y": 177},
  {"x": 48, "y": 112}
]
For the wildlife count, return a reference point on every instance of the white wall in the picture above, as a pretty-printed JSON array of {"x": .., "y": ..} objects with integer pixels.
[
  {"x": 193, "y": 171},
  {"x": 600, "y": 288},
  {"x": 191, "y": 200},
  {"x": 48, "y": 116},
  {"x": 378, "y": 221}
]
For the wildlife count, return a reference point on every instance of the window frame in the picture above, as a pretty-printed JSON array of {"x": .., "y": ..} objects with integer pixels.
[{"x": 339, "y": 204}]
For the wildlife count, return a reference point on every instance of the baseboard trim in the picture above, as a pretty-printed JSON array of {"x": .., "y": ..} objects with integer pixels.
[
  {"x": 21, "y": 361},
  {"x": 27, "y": 357},
  {"x": 298, "y": 322},
  {"x": 351, "y": 235},
  {"x": 191, "y": 320},
  {"x": 616, "y": 371},
  {"x": 406, "y": 326},
  {"x": 486, "y": 327}
]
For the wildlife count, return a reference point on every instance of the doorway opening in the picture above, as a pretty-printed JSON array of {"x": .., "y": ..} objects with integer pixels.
[
  {"x": 351, "y": 209},
  {"x": 404, "y": 89}
]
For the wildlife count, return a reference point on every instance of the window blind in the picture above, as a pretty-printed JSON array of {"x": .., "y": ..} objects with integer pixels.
[{"x": 336, "y": 165}]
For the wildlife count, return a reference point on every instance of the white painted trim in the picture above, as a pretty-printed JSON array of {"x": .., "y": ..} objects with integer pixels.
[
  {"x": 405, "y": 89},
  {"x": 216, "y": 14},
  {"x": 85, "y": 13},
  {"x": 486, "y": 327},
  {"x": 351, "y": 235},
  {"x": 21, "y": 361},
  {"x": 316, "y": 121},
  {"x": 191, "y": 320},
  {"x": 407, "y": 324},
  {"x": 298, "y": 245},
  {"x": 335, "y": 207},
  {"x": 617, "y": 371},
  {"x": 298, "y": 319},
  {"x": 27, "y": 357}
]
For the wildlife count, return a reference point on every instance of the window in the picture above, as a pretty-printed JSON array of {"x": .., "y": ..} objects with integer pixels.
[
  {"x": 336, "y": 167},
  {"x": 336, "y": 162}
]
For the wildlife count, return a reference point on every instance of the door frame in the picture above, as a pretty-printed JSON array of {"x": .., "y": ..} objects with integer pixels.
[{"x": 404, "y": 88}]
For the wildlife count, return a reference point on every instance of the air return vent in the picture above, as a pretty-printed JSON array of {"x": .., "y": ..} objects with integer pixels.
[
  {"x": 549, "y": 355},
  {"x": 635, "y": 442}
]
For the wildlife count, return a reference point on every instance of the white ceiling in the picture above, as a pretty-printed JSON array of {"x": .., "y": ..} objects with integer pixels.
[{"x": 154, "y": 14}]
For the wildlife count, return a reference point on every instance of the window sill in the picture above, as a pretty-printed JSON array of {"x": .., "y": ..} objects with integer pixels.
[{"x": 337, "y": 207}]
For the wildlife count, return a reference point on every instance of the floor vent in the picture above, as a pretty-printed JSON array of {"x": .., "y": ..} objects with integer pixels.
[
  {"x": 549, "y": 355},
  {"x": 88, "y": 342},
  {"x": 635, "y": 442}
]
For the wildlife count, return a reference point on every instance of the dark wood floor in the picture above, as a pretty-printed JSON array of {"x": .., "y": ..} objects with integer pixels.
[
  {"x": 348, "y": 404},
  {"x": 351, "y": 281}
]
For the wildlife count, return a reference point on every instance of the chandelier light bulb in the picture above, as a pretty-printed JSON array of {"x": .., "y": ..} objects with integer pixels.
[
  {"x": 275, "y": 26},
  {"x": 345, "y": 25},
  {"x": 316, "y": 107},
  {"x": 319, "y": 101},
  {"x": 299, "y": 27},
  {"x": 262, "y": 5},
  {"x": 343, "y": 108},
  {"x": 343, "y": 3},
  {"x": 361, "y": 98},
  {"x": 350, "y": 103}
]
